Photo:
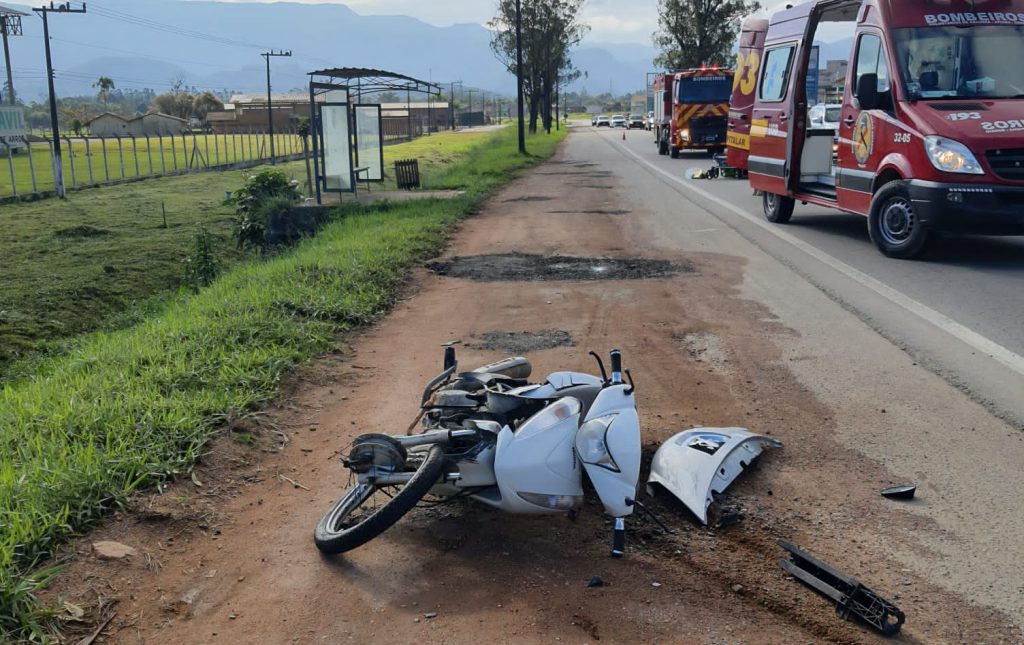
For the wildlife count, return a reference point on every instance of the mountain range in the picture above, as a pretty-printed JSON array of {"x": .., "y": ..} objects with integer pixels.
[
  {"x": 216, "y": 45},
  {"x": 153, "y": 43}
]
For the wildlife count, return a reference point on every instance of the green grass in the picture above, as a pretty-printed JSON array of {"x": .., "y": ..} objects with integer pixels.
[
  {"x": 77, "y": 265},
  {"x": 126, "y": 159},
  {"x": 128, "y": 408}
]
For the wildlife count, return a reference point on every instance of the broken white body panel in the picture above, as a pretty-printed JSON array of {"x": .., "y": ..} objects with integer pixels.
[{"x": 696, "y": 463}]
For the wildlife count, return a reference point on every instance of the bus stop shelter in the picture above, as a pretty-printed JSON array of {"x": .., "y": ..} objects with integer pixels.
[{"x": 346, "y": 133}]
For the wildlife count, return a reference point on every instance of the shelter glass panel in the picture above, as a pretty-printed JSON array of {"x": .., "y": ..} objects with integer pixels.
[
  {"x": 369, "y": 145},
  {"x": 337, "y": 153}
]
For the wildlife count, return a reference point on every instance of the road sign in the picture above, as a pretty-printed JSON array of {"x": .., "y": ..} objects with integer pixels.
[
  {"x": 12, "y": 126},
  {"x": 812, "y": 77}
]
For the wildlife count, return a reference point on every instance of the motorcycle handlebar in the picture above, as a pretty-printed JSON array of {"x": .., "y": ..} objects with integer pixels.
[{"x": 616, "y": 358}]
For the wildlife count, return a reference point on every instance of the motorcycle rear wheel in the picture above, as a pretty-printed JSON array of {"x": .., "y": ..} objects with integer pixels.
[{"x": 348, "y": 524}]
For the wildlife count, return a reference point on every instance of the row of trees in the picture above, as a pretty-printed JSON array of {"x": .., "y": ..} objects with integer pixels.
[
  {"x": 74, "y": 111},
  {"x": 550, "y": 29}
]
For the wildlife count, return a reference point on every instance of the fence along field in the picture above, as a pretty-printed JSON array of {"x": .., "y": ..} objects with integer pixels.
[{"x": 94, "y": 161}]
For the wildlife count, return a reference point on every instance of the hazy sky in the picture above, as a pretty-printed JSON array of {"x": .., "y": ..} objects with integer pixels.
[{"x": 611, "y": 21}]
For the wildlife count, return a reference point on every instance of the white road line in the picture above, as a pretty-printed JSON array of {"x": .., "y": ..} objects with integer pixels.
[{"x": 1008, "y": 358}]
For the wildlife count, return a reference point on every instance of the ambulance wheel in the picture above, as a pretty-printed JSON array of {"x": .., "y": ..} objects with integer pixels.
[
  {"x": 777, "y": 208},
  {"x": 893, "y": 223},
  {"x": 673, "y": 152}
]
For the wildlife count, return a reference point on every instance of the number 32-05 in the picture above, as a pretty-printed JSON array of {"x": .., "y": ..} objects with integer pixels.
[{"x": 901, "y": 137}]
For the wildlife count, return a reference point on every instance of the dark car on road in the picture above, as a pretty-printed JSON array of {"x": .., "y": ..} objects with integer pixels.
[{"x": 635, "y": 121}]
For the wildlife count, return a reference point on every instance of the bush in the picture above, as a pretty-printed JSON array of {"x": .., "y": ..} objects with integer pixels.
[
  {"x": 251, "y": 199},
  {"x": 200, "y": 264}
]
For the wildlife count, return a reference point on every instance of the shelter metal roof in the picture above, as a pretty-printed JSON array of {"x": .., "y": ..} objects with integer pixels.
[
  {"x": 372, "y": 80},
  {"x": 8, "y": 11}
]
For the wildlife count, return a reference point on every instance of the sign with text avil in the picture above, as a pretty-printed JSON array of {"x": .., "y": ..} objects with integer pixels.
[{"x": 12, "y": 126}]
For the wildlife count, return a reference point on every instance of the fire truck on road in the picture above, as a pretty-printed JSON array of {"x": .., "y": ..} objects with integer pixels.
[{"x": 691, "y": 110}]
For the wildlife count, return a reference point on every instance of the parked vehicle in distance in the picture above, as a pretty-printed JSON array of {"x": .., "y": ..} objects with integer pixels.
[
  {"x": 931, "y": 128},
  {"x": 635, "y": 121},
  {"x": 825, "y": 115},
  {"x": 699, "y": 109},
  {"x": 618, "y": 121},
  {"x": 602, "y": 121},
  {"x": 593, "y": 119}
]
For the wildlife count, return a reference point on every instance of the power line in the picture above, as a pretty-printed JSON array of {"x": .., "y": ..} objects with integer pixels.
[
  {"x": 147, "y": 56},
  {"x": 111, "y": 14}
]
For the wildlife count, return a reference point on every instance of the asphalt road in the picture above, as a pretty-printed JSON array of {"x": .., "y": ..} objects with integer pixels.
[{"x": 959, "y": 311}]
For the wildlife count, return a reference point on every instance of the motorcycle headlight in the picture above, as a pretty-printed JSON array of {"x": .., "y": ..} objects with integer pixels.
[
  {"x": 591, "y": 443},
  {"x": 948, "y": 155}
]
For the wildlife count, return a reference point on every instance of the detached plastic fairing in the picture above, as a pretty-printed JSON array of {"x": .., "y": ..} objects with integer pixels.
[{"x": 696, "y": 463}]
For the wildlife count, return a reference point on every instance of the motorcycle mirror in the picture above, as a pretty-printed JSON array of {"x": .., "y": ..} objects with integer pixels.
[{"x": 600, "y": 365}]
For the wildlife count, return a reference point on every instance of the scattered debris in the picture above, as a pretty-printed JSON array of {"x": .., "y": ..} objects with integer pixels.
[
  {"x": 88, "y": 640},
  {"x": 522, "y": 342},
  {"x": 899, "y": 492},
  {"x": 737, "y": 588},
  {"x": 596, "y": 581},
  {"x": 430, "y": 614},
  {"x": 292, "y": 482},
  {"x": 74, "y": 612},
  {"x": 655, "y": 584},
  {"x": 852, "y": 598},
  {"x": 110, "y": 550},
  {"x": 727, "y": 518},
  {"x": 696, "y": 463}
]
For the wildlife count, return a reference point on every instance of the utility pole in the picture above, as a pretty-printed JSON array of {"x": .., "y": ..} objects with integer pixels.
[
  {"x": 519, "y": 76},
  {"x": 558, "y": 116},
  {"x": 451, "y": 101},
  {"x": 470, "y": 110},
  {"x": 270, "y": 106},
  {"x": 58, "y": 168},
  {"x": 10, "y": 25}
]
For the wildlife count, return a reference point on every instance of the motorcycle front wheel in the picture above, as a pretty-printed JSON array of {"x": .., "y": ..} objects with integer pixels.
[{"x": 364, "y": 511}]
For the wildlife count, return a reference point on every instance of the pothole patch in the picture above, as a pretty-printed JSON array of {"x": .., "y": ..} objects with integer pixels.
[
  {"x": 523, "y": 267},
  {"x": 528, "y": 198},
  {"x": 595, "y": 211},
  {"x": 521, "y": 342},
  {"x": 706, "y": 348}
]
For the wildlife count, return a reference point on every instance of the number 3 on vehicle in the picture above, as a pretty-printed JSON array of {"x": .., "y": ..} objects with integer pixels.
[{"x": 746, "y": 72}]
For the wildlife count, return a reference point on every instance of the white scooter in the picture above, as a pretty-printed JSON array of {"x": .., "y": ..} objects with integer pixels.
[{"x": 493, "y": 437}]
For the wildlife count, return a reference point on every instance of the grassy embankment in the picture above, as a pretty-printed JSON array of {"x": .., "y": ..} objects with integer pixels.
[
  {"x": 76, "y": 265},
  {"x": 124, "y": 409}
]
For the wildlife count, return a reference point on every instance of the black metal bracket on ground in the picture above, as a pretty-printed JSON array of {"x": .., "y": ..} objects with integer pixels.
[{"x": 852, "y": 598}]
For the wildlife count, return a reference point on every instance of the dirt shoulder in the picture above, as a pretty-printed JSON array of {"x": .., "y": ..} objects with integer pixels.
[{"x": 227, "y": 555}]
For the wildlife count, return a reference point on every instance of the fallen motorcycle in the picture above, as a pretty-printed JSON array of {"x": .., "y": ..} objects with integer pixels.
[{"x": 492, "y": 436}]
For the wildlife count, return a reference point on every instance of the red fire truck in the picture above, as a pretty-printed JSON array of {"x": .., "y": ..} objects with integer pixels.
[
  {"x": 691, "y": 108},
  {"x": 931, "y": 133}
]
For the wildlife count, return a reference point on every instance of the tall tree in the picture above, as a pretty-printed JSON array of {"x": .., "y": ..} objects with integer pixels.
[
  {"x": 692, "y": 33},
  {"x": 105, "y": 84},
  {"x": 551, "y": 28},
  {"x": 205, "y": 103},
  {"x": 177, "y": 104}
]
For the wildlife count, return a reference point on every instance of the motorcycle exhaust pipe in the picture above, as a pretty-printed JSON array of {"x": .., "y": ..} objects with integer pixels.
[{"x": 619, "y": 538}]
